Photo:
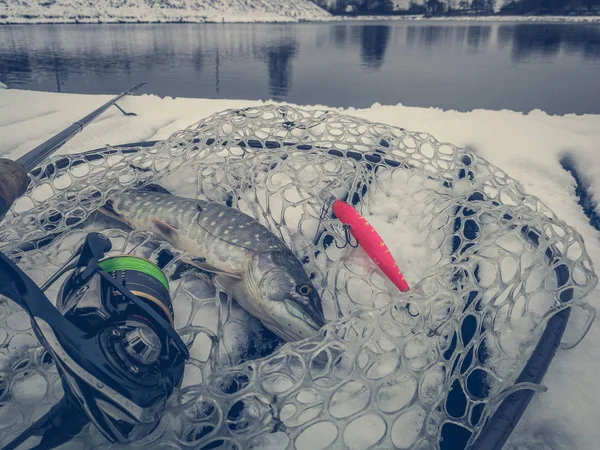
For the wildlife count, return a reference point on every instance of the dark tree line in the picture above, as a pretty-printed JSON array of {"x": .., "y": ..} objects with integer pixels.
[
  {"x": 357, "y": 7},
  {"x": 462, "y": 7},
  {"x": 511, "y": 7},
  {"x": 452, "y": 7},
  {"x": 551, "y": 7}
]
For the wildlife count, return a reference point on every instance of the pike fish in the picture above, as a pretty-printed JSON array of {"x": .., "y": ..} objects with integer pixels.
[{"x": 253, "y": 264}]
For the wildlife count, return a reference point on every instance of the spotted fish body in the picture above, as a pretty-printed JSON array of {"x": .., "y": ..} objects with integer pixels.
[{"x": 251, "y": 262}]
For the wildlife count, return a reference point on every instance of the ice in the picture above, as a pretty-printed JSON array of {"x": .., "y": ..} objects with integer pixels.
[{"x": 500, "y": 137}]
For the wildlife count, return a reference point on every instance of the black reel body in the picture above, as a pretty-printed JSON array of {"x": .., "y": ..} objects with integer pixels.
[{"x": 111, "y": 336}]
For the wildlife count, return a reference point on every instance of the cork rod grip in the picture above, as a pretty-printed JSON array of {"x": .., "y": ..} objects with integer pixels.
[{"x": 13, "y": 184}]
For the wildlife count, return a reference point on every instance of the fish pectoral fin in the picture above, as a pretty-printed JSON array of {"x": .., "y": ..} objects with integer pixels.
[
  {"x": 108, "y": 210},
  {"x": 200, "y": 263},
  {"x": 153, "y": 187},
  {"x": 165, "y": 229}
]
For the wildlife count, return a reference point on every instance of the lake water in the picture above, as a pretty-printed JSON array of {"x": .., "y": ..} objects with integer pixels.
[{"x": 452, "y": 65}]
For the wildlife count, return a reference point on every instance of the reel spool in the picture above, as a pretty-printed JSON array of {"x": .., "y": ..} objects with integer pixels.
[{"x": 111, "y": 336}]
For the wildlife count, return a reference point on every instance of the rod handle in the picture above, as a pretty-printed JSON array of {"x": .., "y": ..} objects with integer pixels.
[{"x": 13, "y": 184}]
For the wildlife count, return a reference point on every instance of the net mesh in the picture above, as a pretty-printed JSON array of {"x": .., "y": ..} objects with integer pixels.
[{"x": 487, "y": 263}]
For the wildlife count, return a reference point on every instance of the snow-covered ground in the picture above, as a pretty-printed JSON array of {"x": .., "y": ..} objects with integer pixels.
[
  {"x": 527, "y": 147},
  {"x": 80, "y": 11},
  {"x": 141, "y": 11}
]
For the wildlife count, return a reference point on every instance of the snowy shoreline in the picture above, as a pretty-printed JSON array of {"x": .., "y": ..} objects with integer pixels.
[
  {"x": 82, "y": 11},
  {"x": 528, "y": 147},
  {"x": 574, "y": 19},
  {"x": 173, "y": 20},
  {"x": 5, "y": 20}
]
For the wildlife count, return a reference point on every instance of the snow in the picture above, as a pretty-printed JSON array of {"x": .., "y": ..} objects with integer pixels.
[
  {"x": 527, "y": 147},
  {"x": 398, "y": 212},
  {"x": 81, "y": 11},
  {"x": 141, "y": 11}
]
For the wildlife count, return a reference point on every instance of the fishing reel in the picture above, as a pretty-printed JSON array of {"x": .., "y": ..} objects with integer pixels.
[{"x": 112, "y": 338}]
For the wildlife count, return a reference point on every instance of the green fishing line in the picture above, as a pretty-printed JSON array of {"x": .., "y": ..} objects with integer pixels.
[{"x": 117, "y": 263}]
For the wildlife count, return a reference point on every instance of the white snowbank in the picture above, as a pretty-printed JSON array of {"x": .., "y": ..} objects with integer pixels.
[{"x": 526, "y": 146}]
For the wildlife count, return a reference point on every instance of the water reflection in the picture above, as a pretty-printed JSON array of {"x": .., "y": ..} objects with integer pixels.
[
  {"x": 280, "y": 67},
  {"x": 547, "y": 40},
  {"x": 339, "y": 64},
  {"x": 460, "y": 33},
  {"x": 478, "y": 37},
  {"x": 472, "y": 37},
  {"x": 61, "y": 70},
  {"x": 339, "y": 35},
  {"x": 433, "y": 36},
  {"x": 374, "y": 42},
  {"x": 442, "y": 35},
  {"x": 586, "y": 41},
  {"x": 529, "y": 41},
  {"x": 15, "y": 63}
]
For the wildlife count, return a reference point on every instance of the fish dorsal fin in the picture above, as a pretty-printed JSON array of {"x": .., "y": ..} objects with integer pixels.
[
  {"x": 200, "y": 263},
  {"x": 167, "y": 230}
]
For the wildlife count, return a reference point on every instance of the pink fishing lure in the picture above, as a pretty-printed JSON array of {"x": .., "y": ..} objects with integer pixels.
[{"x": 371, "y": 242}]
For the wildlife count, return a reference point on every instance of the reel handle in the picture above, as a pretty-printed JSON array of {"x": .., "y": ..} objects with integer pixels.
[{"x": 13, "y": 183}]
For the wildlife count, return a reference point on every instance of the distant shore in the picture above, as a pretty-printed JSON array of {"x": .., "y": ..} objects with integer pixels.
[
  {"x": 493, "y": 18},
  {"x": 283, "y": 19}
]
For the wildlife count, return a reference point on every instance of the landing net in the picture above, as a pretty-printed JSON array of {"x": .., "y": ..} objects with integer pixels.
[{"x": 488, "y": 266}]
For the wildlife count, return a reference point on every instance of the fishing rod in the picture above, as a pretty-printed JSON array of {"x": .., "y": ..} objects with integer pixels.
[{"x": 13, "y": 174}]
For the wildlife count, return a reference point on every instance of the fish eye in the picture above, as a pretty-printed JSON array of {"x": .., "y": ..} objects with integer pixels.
[{"x": 304, "y": 289}]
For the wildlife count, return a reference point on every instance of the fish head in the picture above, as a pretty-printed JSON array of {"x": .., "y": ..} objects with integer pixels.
[{"x": 289, "y": 304}]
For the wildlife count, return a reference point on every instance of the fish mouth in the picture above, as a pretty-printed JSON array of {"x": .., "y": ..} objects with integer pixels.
[{"x": 312, "y": 318}]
